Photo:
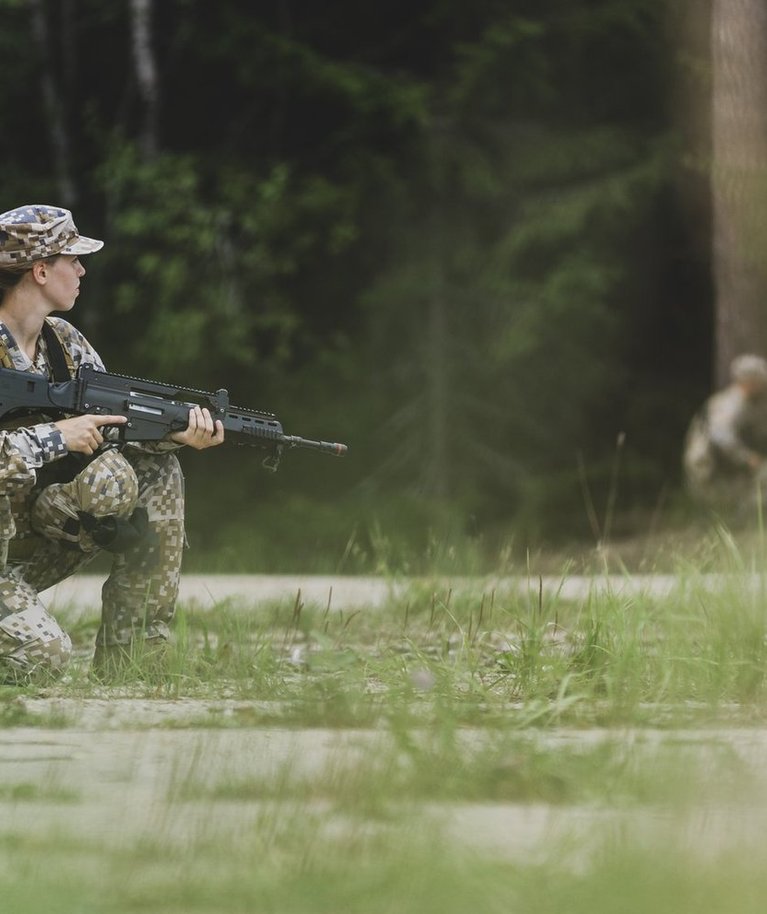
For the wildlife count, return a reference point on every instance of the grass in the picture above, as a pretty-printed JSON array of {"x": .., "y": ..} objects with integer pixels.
[
  {"x": 370, "y": 878},
  {"x": 474, "y": 653},
  {"x": 369, "y": 839},
  {"x": 397, "y": 759}
]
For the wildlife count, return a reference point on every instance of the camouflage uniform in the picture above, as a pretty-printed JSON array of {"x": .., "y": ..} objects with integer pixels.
[
  {"x": 46, "y": 543},
  {"x": 42, "y": 539},
  {"x": 726, "y": 443}
]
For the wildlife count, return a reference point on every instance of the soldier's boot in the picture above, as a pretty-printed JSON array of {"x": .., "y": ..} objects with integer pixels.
[{"x": 145, "y": 660}]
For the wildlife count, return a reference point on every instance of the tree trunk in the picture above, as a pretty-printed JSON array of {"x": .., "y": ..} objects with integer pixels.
[
  {"x": 437, "y": 350},
  {"x": 146, "y": 73},
  {"x": 738, "y": 178},
  {"x": 53, "y": 105},
  {"x": 437, "y": 356},
  {"x": 68, "y": 46}
]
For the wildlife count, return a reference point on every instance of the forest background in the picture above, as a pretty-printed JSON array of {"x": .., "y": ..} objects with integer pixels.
[{"x": 470, "y": 240}]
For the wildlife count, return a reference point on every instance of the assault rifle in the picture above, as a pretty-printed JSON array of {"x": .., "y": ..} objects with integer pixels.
[{"x": 152, "y": 409}]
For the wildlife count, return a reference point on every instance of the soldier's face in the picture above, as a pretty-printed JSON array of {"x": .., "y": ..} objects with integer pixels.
[
  {"x": 62, "y": 281},
  {"x": 754, "y": 388}
]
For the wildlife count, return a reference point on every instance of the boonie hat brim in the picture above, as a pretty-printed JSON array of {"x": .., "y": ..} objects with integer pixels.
[{"x": 83, "y": 245}]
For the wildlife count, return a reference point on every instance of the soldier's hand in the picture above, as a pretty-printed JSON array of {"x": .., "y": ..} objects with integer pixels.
[
  {"x": 202, "y": 431},
  {"x": 82, "y": 434}
]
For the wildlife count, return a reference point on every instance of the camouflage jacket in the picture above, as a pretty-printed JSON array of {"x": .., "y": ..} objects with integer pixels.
[
  {"x": 24, "y": 450},
  {"x": 726, "y": 438}
]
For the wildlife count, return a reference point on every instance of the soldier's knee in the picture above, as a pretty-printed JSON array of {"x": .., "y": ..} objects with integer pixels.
[
  {"x": 107, "y": 487},
  {"x": 161, "y": 486}
]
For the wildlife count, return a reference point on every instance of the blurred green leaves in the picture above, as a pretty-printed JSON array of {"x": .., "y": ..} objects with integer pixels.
[{"x": 434, "y": 229}]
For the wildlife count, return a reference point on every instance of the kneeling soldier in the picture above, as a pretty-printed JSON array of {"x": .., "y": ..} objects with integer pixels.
[
  {"x": 66, "y": 491},
  {"x": 725, "y": 450}
]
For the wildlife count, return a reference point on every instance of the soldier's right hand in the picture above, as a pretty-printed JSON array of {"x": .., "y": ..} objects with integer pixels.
[{"x": 82, "y": 434}]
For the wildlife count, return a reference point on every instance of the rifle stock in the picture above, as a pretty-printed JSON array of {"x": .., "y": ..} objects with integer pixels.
[{"x": 153, "y": 409}]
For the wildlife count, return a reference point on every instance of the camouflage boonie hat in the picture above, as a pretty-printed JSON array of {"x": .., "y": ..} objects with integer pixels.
[{"x": 34, "y": 231}]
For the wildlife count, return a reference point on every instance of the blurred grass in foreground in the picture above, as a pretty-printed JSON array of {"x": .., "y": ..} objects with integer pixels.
[
  {"x": 343, "y": 839},
  {"x": 370, "y": 877},
  {"x": 456, "y": 700}
]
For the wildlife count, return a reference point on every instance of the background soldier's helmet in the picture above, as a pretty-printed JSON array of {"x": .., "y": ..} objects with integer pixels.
[
  {"x": 35, "y": 231},
  {"x": 749, "y": 368}
]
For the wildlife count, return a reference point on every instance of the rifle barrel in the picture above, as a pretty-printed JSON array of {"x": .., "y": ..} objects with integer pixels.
[{"x": 328, "y": 447}]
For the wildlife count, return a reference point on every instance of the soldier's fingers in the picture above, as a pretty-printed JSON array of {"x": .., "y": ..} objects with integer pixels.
[
  {"x": 194, "y": 418},
  {"x": 203, "y": 422},
  {"x": 109, "y": 420}
]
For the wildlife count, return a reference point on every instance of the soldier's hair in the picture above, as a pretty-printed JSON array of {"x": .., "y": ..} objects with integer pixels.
[
  {"x": 9, "y": 279},
  {"x": 11, "y": 276}
]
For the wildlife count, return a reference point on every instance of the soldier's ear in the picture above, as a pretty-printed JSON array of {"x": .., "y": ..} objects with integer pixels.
[{"x": 39, "y": 271}]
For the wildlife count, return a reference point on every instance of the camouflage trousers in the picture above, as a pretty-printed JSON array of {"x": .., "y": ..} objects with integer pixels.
[
  {"x": 735, "y": 499},
  {"x": 139, "y": 595}
]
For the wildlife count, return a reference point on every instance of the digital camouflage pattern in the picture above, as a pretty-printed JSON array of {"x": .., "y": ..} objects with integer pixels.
[
  {"x": 31, "y": 640},
  {"x": 41, "y": 543},
  {"x": 106, "y": 486},
  {"x": 34, "y": 231}
]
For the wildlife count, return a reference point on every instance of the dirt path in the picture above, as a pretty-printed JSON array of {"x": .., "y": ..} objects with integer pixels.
[
  {"x": 120, "y": 784},
  {"x": 341, "y": 592}
]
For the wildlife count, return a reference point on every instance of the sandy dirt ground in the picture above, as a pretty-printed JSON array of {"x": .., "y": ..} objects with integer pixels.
[
  {"x": 120, "y": 769},
  {"x": 341, "y": 592},
  {"x": 121, "y": 784}
]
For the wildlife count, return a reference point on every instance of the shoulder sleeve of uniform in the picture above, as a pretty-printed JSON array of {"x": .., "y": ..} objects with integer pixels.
[
  {"x": 24, "y": 450},
  {"x": 76, "y": 344}
]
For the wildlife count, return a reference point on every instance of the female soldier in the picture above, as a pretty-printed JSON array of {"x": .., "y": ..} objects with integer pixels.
[{"x": 55, "y": 512}]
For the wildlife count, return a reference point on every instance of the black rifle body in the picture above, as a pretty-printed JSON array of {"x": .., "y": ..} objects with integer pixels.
[{"x": 153, "y": 409}]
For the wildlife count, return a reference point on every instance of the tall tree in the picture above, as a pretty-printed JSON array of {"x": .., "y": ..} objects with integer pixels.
[
  {"x": 738, "y": 177},
  {"x": 146, "y": 73},
  {"x": 53, "y": 100}
]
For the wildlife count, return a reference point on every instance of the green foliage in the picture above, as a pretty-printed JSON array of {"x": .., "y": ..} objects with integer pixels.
[
  {"x": 435, "y": 229},
  {"x": 204, "y": 268}
]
